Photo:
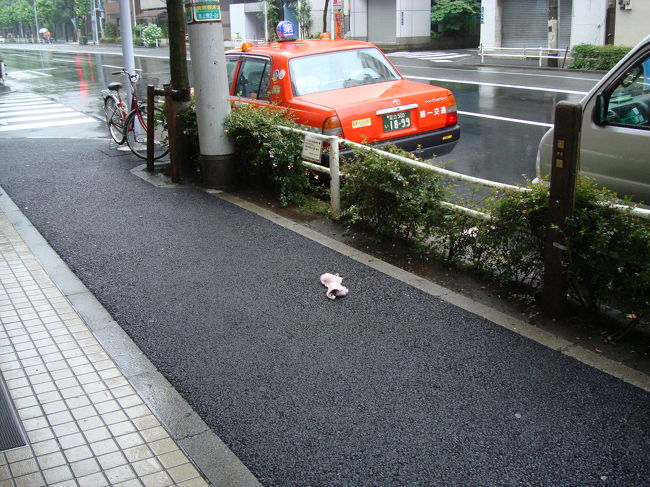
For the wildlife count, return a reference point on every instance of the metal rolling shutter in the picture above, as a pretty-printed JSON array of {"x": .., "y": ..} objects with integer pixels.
[
  {"x": 525, "y": 23},
  {"x": 566, "y": 12}
]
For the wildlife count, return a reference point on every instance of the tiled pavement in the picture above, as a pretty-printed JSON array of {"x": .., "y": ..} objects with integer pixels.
[{"x": 85, "y": 423}]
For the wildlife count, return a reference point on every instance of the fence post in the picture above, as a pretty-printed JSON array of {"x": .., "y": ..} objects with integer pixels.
[
  {"x": 150, "y": 126},
  {"x": 541, "y": 53},
  {"x": 564, "y": 169},
  {"x": 335, "y": 178}
]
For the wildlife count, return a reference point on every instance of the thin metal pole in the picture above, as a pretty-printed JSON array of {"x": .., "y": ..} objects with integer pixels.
[
  {"x": 36, "y": 20},
  {"x": 150, "y": 127},
  {"x": 335, "y": 178},
  {"x": 266, "y": 21},
  {"x": 128, "y": 57}
]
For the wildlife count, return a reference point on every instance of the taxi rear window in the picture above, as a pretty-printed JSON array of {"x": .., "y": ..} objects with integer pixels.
[{"x": 340, "y": 69}]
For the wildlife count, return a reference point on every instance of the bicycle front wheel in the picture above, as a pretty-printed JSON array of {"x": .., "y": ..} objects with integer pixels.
[
  {"x": 136, "y": 134},
  {"x": 114, "y": 120}
]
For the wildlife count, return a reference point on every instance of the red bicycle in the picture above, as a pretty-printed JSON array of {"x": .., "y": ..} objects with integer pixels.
[{"x": 130, "y": 125}]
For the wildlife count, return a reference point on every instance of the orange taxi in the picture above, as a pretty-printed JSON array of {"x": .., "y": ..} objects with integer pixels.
[{"x": 345, "y": 88}]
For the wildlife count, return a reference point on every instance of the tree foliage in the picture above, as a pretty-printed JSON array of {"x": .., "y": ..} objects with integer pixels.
[
  {"x": 14, "y": 13},
  {"x": 452, "y": 13}
]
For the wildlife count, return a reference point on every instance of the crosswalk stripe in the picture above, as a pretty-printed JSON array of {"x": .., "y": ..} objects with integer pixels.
[
  {"x": 31, "y": 106},
  {"x": 54, "y": 109},
  {"x": 439, "y": 57},
  {"x": 26, "y": 104},
  {"x": 41, "y": 117},
  {"x": 54, "y": 123},
  {"x": 21, "y": 99}
]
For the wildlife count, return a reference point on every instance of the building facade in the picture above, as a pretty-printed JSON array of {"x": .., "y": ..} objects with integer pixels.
[
  {"x": 525, "y": 23},
  {"x": 632, "y": 21},
  {"x": 391, "y": 24}
]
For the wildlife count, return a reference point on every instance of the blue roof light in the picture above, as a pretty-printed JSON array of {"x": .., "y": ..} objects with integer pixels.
[{"x": 286, "y": 31}]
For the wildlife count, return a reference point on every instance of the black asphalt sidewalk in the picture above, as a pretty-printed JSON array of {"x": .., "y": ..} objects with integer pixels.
[{"x": 389, "y": 386}]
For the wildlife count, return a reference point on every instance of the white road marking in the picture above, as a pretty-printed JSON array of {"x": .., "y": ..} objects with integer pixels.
[
  {"x": 53, "y": 123},
  {"x": 482, "y": 83},
  {"x": 117, "y": 67},
  {"x": 5, "y": 112},
  {"x": 506, "y": 119},
  {"x": 37, "y": 112},
  {"x": 31, "y": 107},
  {"x": 27, "y": 103},
  {"x": 504, "y": 72},
  {"x": 27, "y": 74},
  {"x": 49, "y": 116},
  {"x": 439, "y": 57}
]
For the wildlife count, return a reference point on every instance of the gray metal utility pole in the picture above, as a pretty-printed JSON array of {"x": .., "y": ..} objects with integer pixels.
[
  {"x": 211, "y": 92},
  {"x": 93, "y": 12},
  {"x": 128, "y": 58},
  {"x": 553, "y": 31}
]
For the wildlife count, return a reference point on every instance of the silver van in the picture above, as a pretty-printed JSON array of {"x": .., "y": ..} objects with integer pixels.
[{"x": 615, "y": 138}]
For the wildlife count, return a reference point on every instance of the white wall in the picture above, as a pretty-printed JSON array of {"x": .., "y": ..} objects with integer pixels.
[
  {"x": 152, "y": 4},
  {"x": 490, "y": 28},
  {"x": 588, "y": 22},
  {"x": 632, "y": 25},
  {"x": 416, "y": 18},
  {"x": 359, "y": 19},
  {"x": 237, "y": 20}
]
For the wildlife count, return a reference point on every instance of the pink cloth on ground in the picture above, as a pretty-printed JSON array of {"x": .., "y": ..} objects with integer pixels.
[{"x": 334, "y": 287}]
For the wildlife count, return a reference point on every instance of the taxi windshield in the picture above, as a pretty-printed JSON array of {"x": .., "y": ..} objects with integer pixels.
[{"x": 339, "y": 69}]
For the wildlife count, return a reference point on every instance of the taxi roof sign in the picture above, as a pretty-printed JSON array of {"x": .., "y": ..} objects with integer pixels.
[{"x": 286, "y": 31}]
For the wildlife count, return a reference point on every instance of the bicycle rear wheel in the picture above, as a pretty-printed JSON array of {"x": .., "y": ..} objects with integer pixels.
[
  {"x": 136, "y": 133},
  {"x": 114, "y": 120}
]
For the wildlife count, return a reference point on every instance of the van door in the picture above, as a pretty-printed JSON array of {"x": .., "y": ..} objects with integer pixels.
[{"x": 615, "y": 139}]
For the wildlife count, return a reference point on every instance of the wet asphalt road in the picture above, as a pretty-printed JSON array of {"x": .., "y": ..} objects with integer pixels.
[
  {"x": 501, "y": 149},
  {"x": 388, "y": 386}
]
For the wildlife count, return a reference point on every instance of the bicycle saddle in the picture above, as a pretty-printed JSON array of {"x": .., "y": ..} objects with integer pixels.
[{"x": 114, "y": 86}]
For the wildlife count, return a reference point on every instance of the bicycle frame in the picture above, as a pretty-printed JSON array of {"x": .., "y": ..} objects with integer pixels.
[
  {"x": 130, "y": 126},
  {"x": 120, "y": 105}
]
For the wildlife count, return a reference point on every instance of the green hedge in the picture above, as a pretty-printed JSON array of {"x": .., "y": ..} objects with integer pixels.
[
  {"x": 589, "y": 56},
  {"x": 269, "y": 157}
]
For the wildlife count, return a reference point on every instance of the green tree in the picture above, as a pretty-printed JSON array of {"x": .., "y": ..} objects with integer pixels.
[
  {"x": 81, "y": 12},
  {"x": 18, "y": 12},
  {"x": 303, "y": 12},
  {"x": 452, "y": 14}
]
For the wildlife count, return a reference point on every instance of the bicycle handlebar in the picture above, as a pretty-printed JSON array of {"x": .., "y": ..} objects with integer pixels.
[{"x": 133, "y": 77}]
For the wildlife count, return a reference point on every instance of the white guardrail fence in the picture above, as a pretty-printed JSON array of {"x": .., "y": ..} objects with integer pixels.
[
  {"x": 335, "y": 174},
  {"x": 524, "y": 53}
]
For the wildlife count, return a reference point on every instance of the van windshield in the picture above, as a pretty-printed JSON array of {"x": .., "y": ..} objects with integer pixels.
[{"x": 339, "y": 69}]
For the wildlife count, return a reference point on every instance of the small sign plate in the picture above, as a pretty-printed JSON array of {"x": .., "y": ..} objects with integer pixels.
[
  {"x": 202, "y": 11},
  {"x": 312, "y": 148}
]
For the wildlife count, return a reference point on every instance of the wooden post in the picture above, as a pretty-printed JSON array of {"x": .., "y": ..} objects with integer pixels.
[
  {"x": 170, "y": 115},
  {"x": 150, "y": 126},
  {"x": 565, "y": 166}
]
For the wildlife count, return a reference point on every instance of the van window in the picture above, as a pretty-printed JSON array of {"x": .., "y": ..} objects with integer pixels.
[
  {"x": 629, "y": 103},
  {"x": 253, "y": 79}
]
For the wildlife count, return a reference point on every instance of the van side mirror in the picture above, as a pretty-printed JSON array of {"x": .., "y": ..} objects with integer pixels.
[{"x": 600, "y": 111}]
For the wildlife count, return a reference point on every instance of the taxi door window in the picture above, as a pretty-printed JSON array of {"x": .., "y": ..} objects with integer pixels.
[
  {"x": 231, "y": 64},
  {"x": 253, "y": 79},
  {"x": 629, "y": 103}
]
